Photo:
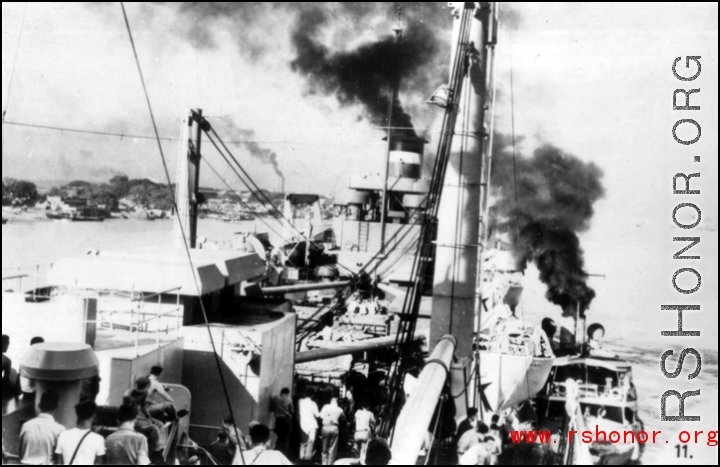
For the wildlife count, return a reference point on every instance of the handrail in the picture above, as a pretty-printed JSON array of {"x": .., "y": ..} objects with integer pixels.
[
  {"x": 159, "y": 294},
  {"x": 172, "y": 312},
  {"x": 142, "y": 300},
  {"x": 12, "y": 278}
]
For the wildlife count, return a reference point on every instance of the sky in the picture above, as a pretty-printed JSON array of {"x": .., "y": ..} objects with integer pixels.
[{"x": 593, "y": 79}]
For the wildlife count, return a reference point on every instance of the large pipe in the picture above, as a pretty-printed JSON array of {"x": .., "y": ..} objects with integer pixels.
[
  {"x": 415, "y": 419},
  {"x": 453, "y": 310},
  {"x": 348, "y": 349},
  {"x": 305, "y": 288}
]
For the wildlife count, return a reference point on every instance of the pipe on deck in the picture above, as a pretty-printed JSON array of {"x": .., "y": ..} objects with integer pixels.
[
  {"x": 304, "y": 288},
  {"x": 347, "y": 349},
  {"x": 415, "y": 419}
]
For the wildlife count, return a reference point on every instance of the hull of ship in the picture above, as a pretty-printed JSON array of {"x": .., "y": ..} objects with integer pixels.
[
  {"x": 510, "y": 380},
  {"x": 58, "y": 217}
]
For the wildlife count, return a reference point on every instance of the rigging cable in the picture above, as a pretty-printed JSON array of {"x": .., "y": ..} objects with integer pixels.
[
  {"x": 12, "y": 72},
  {"x": 217, "y": 174},
  {"x": 258, "y": 193},
  {"x": 514, "y": 153},
  {"x": 131, "y": 136},
  {"x": 182, "y": 229},
  {"x": 515, "y": 177},
  {"x": 12, "y": 77}
]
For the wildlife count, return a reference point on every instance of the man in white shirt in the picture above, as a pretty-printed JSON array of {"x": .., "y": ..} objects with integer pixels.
[
  {"x": 80, "y": 446},
  {"x": 479, "y": 454},
  {"x": 39, "y": 436},
  {"x": 260, "y": 454},
  {"x": 27, "y": 386},
  {"x": 309, "y": 415},
  {"x": 472, "y": 438},
  {"x": 331, "y": 415},
  {"x": 364, "y": 428}
]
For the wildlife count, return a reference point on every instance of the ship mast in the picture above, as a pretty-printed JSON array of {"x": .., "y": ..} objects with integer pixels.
[
  {"x": 456, "y": 263},
  {"x": 188, "y": 180},
  {"x": 457, "y": 180},
  {"x": 393, "y": 99},
  {"x": 489, "y": 70}
]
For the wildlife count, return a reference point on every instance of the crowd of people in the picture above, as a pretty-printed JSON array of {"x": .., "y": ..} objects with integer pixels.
[
  {"x": 316, "y": 426},
  {"x": 308, "y": 429},
  {"x": 480, "y": 444},
  {"x": 135, "y": 433}
]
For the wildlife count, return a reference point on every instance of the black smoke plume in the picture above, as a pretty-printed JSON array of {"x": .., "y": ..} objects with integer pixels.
[
  {"x": 245, "y": 138},
  {"x": 364, "y": 76},
  {"x": 555, "y": 196}
]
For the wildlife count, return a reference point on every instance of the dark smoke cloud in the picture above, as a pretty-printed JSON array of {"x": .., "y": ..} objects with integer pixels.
[
  {"x": 357, "y": 77},
  {"x": 229, "y": 131},
  {"x": 363, "y": 76},
  {"x": 555, "y": 197}
]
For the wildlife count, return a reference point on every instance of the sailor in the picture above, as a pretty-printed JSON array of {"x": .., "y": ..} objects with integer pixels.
[
  {"x": 470, "y": 423},
  {"x": 223, "y": 450},
  {"x": 27, "y": 386},
  {"x": 309, "y": 416},
  {"x": 364, "y": 428},
  {"x": 80, "y": 446},
  {"x": 479, "y": 454},
  {"x": 163, "y": 411},
  {"x": 282, "y": 407},
  {"x": 234, "y": 434},
  {"x": 8, "y": 390},
  {"x": 331, "y": 416},
  {"x": 39, "y": 436},
  {"x": 145, "y": 424},
  {"x": 260, "y": 454},
  {"x": 472, "y": 438},
  {"x": 126, "y": 446}
]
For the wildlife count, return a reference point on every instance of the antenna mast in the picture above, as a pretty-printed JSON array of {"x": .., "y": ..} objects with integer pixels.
[{"x": 393, "y": 99}]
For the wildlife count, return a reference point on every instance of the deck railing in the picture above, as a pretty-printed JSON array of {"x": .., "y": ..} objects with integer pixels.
[{"x": 145, "y": 300}]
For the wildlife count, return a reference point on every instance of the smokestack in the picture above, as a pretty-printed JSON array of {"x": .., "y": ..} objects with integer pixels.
[
  {"x": 406, "y": 156},
  {"x": 572, "y": 326}
]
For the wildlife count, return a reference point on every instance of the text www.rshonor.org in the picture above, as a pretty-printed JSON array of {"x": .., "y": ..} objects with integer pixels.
[{"x": 598, "y": 436}]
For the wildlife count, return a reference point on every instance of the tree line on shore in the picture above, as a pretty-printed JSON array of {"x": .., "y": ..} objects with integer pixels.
[{"x": 143, "y": 193}]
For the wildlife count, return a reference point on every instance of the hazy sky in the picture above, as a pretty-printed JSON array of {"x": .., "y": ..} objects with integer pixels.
[{"x": 593, "y": 79}]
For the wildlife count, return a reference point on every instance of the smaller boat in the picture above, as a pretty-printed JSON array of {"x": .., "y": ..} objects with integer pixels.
[
  {"x": 84, "y": 215},
  {"x": 156, "y": 215},
  {"x": 60, "y": 215},
  {"x": 606, "y": 399},
  {"x": 5, "y": 221}
]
